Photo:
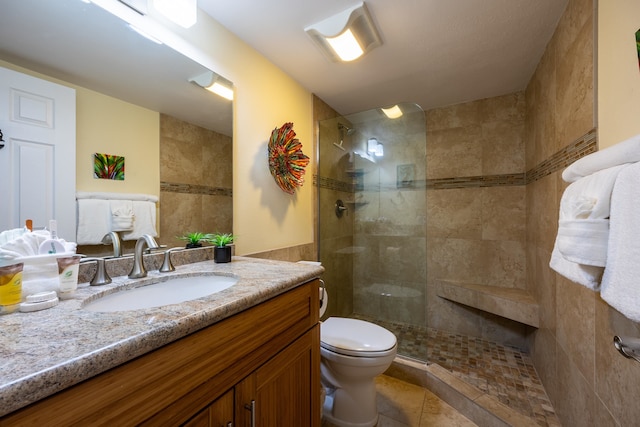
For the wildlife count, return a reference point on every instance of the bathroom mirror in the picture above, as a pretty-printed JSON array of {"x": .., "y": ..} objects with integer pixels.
[
  {"x": 83, "y": 44},
  {"x": 80, "y": 43}
]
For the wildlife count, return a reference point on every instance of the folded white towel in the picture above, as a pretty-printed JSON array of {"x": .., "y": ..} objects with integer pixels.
[
  {"x": 121, "y": 215},
  {"x": 586, "y": 275},
  {"x": 116, "y": 196},
  {"x": 627, "y": 151},
  {"x": 27, "y": 245},
  {"x": 620, "y": 282},
  {"x": 9, "y": 235},
  {"x": 144, "y": 221},
  {"x": 584, "y": 241},
  {"x": 94, "y": 221},
  {"x": 583, "y": 228}
]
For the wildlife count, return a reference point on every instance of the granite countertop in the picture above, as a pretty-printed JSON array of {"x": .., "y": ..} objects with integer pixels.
[{"x": 47, "y": 351}]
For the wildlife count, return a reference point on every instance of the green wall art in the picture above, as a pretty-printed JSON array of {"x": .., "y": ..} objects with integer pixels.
[
  {"x": 638, "y": 45},
  {"x": 107, "y": 166}
]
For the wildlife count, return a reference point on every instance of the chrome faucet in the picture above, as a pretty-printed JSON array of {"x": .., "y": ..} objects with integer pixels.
[
  {"x": 113, "y": 237},
  {"x": 138, "y": 269}
]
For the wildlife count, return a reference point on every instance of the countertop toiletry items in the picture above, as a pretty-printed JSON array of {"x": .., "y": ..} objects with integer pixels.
[
  {"x": 52, "y": 245},
  {"x": 10, "y": 288},
  {"x": 68, "y": 268},
  {"x": 39, "y": 301},
  {"x": 29, "y": 224}
]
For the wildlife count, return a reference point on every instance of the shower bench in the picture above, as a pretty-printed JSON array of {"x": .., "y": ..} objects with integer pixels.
[{"x": 510, "y": 303}]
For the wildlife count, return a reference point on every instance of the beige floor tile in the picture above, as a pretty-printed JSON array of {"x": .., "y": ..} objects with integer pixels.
[
  {"x": 437, "y": 413},
  {"x": 399, "y": 401}
]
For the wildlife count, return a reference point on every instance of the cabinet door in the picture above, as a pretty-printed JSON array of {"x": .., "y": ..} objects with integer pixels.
[
  {"x": 286, "y": 390},
  {"x": 218, "y": 414}
]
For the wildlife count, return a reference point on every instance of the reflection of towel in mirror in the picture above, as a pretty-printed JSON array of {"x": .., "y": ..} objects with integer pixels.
[
  {"x": 94, "y": 221},
  {"x": 121, "y": 215},
  {"x": 144, "y": 221}
]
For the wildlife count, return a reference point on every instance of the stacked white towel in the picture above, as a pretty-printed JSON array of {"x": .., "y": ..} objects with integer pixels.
[
  {"x": 580, "y": 249},
  {"x": 121, "y": 215},
  {"x": 620, "y": 282},
  {"x": 28, "y": 245},
  {"x": 627, "y": 151},
  {"x": 144, "y": 220},
  {"x": 100, "y": 213},
  {"x": 598, "y": 242},
  {"x": 94, "y": 221}
]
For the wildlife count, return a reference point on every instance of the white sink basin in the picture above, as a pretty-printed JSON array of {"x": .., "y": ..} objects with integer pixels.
[{"x": 172, "y": 291}]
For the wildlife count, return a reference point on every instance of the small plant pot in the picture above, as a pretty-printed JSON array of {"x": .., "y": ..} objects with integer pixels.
[
  {"x": 193, "y": 245},
  {"x": 222, "y": 254}
]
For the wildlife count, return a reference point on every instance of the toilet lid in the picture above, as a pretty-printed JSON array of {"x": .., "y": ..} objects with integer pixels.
[{"x": 354, "y": 337}]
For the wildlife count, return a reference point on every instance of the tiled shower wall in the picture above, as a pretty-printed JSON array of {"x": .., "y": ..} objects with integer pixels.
[
  {"x": 476, "y": 210},
  {"x": 195, "y": 180},
  {"x": 589, "y": 383}
]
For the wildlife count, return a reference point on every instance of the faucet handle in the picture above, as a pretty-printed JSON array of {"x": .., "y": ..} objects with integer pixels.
[
  {"x": 101, "y": 277},
  {"x": 167, "y": 266}
]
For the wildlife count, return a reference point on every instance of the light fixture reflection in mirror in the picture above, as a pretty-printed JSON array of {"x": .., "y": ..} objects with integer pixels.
[
  {"x": 215, "y": 83},
  {"x": 393, "y": 112}
]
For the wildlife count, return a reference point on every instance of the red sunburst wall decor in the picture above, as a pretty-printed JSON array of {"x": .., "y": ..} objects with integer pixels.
[{"x": 286, "y": 159}]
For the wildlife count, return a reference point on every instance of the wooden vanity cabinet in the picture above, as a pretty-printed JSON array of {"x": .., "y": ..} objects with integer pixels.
[{"x": 268, "y": 354}]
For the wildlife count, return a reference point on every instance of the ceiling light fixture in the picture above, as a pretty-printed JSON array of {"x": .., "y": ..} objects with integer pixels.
[
  {"x": 347, "y": 35},
  {"x": 393, "y": 112},
  {"x": 215, "y": 83},
  {"x": 181, "y": 12}
]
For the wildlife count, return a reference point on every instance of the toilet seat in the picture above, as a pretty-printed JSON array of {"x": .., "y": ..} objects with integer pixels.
[{"x": 354, "y": 337}]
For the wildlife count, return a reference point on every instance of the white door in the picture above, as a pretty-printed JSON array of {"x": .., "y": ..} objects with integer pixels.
[{"x": 38, "y": 161}]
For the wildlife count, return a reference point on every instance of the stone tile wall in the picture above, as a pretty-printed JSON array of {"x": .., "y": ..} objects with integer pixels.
[
  {"x": 589, "y": 383},
  {"x": 476, "y": 210},
  {"x": 195, "y": 180}
]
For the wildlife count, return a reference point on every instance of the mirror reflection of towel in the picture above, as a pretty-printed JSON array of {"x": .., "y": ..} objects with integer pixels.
[
  {"x": 94, "y": 221},
  {"x": 144, "y": 221},
  {"x": 121, "y": 215}
]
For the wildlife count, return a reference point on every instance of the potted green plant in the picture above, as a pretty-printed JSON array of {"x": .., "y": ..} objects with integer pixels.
[
  {"x": 194, "y": 240},
  {"x": 221, "y": 250}
]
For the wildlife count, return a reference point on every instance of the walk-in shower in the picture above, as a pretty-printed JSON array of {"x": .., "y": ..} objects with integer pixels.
[{"x": 372, "y": 217}]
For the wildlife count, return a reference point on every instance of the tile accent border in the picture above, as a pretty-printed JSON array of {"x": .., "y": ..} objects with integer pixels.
[
  {"x": 586, "y": 144},
  {"x": 172, "y": 187}
]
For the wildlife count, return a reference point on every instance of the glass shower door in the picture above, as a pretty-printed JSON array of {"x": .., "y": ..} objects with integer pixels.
[{"x": 375, "y": 253}]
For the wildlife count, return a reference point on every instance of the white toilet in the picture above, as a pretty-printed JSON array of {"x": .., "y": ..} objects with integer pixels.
[{"x": 353, "y": 352}]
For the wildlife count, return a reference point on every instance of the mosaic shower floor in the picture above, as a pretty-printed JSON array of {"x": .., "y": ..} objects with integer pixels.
[{"x": 503, "y": 372}]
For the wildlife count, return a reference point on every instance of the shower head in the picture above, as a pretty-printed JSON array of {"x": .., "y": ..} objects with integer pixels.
[{"x": 344, "y": 128}]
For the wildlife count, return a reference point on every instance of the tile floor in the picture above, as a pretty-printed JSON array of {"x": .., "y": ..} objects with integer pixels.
[
  {"x": 503, "y": 372},
  {"x": 401, "y": 404}
]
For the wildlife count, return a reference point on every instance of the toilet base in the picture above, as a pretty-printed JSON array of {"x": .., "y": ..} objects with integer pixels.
[{"x": 327, "y": 414}]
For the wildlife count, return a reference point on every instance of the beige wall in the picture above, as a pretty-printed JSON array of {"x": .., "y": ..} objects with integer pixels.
[
  {"x": 111, "y": 126},
  {"x": 618, "y": 72}
]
